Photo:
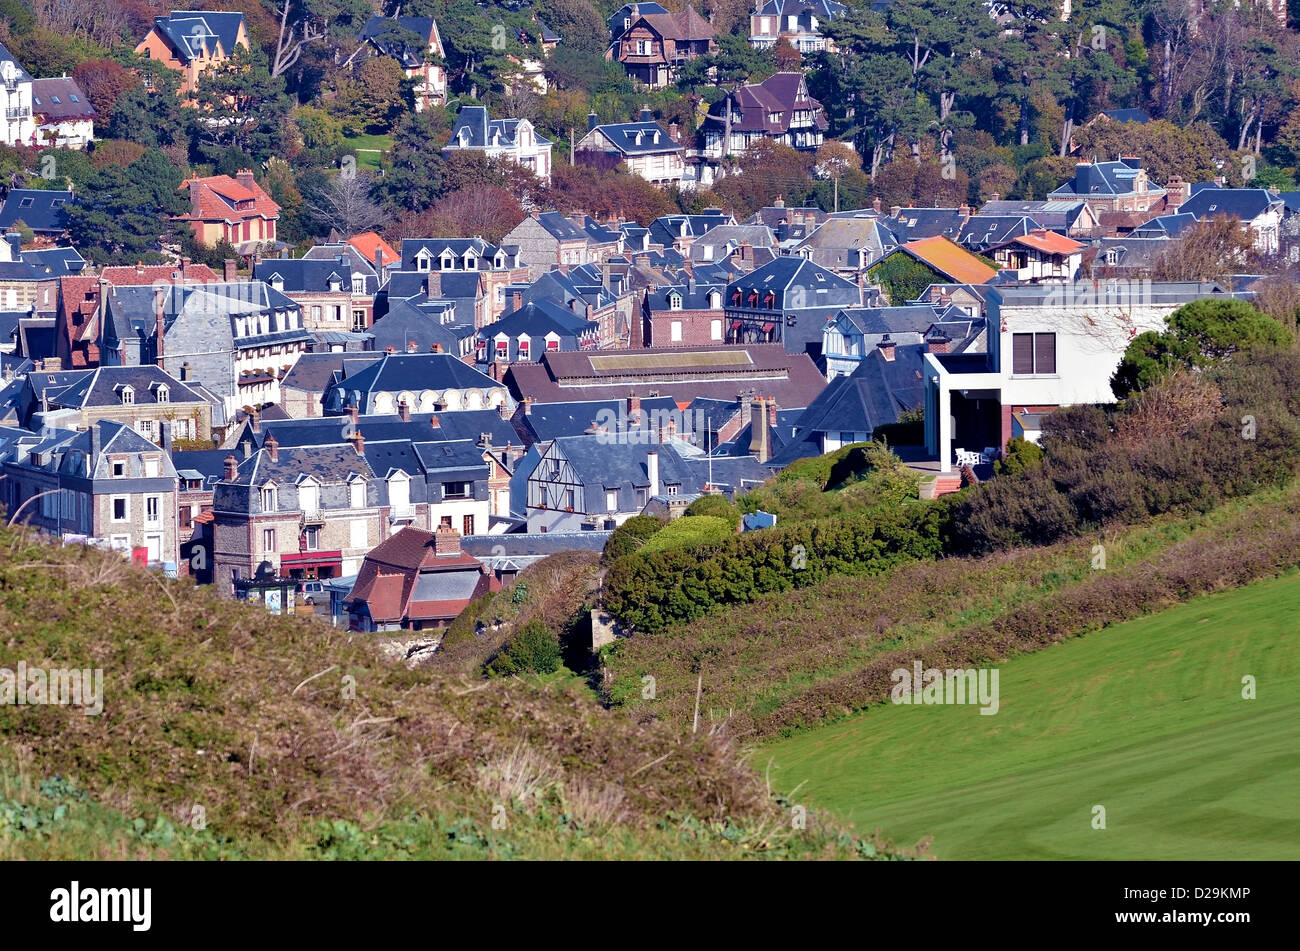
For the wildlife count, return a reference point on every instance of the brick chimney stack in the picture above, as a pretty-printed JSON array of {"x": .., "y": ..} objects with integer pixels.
[
  {"x": 759, "y": 443},
  {"x": 359, "y": 443},
  {"x": 528, "y": 406},
  {"x": 434, "y": 422},
  {"x": 245, "y": 177},
  {"x": 412, "y": 346},
  {"x": 229, "y": 270},
  {"x": 875, "y": 205},
  {"x": 255, "y": 419},
  {"x": 503, "y": 410},
  {"x": 886, "y": 348},
  {"x": 352, "y": 412},
  {"x": 771, "y": 411},
  {"x": 938, "y": 342},
  {"x": 232, "y": 468},
  {"x": 272, "y": 448},
  {"x": 446, "y": 541},
  {"x": 404, "y": 411},
  {"x": 633, "y": 407}
]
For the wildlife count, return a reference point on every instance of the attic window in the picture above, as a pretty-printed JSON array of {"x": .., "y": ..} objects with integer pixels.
[
  {"x": 128, "y": 395},
  {"x": 25, "y": 202},
  {"x": 74, "y": 97},
  {"x": 1213, "y": 207},
  {"x": 56, "y": 100}
]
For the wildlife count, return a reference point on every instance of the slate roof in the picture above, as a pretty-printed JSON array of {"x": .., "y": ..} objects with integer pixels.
[
  {"x": 547, "y": 421},
  {"x": 453, "y": 425},
  {"x": 693, "y": 296},
  {"x": 1244, "y": 203},
  {"x": 670, "y": 228},
  {"x": 754, "y": 106},
  {"x": 631, "y": 11},
  {"x": 1107, "y": 179},
  {"x": 410, "y": 58},
  {"x": 179, "y": 28},
  {"x": 40, "y": 209},
  {"x": 418, "y": 321},
  {"x": 60, "y": 98},
  {"x": 19, "y": 73},
  {"x": 823, "y": 9},
  {"x": 835, "y": 241},
  {"x": 911, "y": 224},
  {"x": 638, "y": 138},
  {"x": 313, "y": 371},
  {"x": 102, "y": 386},
  {"x": 537, "y": 319},
  {"x": 1165, "y": 226},
  {"x": 328, "y": 463},
  {"x": 305, "y": 275},
  {"x": 395, "y": 372},
  {"x": 560, "y": 227},
  {"x": 985, "y": 231},
  {"x": 55, "y": 262},
  {"x": 480, "y": 130}
]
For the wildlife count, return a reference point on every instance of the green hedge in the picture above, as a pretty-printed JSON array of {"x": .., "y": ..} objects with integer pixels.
[
  {"x": 690, "y": 530},
  {"x": 653, "y": 589}
]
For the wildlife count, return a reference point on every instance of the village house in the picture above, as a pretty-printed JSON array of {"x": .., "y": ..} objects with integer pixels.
[
  {"x": 1038, "y": 256},
  {"x": 533, "y": 330},
  {"x": 653, "y": 45},
  {"x": 786, "y": 301},
  {"x": 416, "y": 45},
  {"x": 512, "y": 139},
  {"x": 798, "y": 21},
  {"x": 368, "y": 274},
  {"x": 44, "y": 211},
  {"x": 425, "y": 382},
  {"x": 1049, "y": 345},
  {"x": 236, "y": 209},
  {"x": 644, "y": 148},
  {"x": 854, "y": 334},
  {"x": 683, "y": 315},
  {"x": 1258, "y": 210},
  {"x": 779, "y": 109},
  {"x": 323, "y": 289},
  {"x": 65, "y": 119},
  {"x": 237, "y": 339},
  {"x": 193, "y": 42},
  {"x": 500, "y": 266},
  {"x": 108, "y": 483},
  {"x": 143, "y": 397},
  {"x": 416, "y": 581},
  {"x": 547, "y": 240},
  {"x": 1112, "y": 187}
]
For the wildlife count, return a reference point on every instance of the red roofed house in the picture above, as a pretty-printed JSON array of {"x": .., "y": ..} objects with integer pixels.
[
  {"x": 368, "y": 244},
  {"x": 1039, "y": 256},
  {"x": 236, "y": 209},
  {"x": 416, "y": 580}
]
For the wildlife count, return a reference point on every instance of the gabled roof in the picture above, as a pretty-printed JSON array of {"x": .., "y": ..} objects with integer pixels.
[
  {"x": 305, "y": 275},
  {"x": 60, "y": 98},
  {"x": 409, "y": 321},
  {"x": 638, "y": 138},
  {"x": 219, "y": 197},
  {"x": 20, "y": 75},
  {"x": 951, "y": 261},
  {"x": 1165, "y": 226},
  {"x": 103, "y": 386},
  {"x": 1048, "y": 242},
  {"x": 194, "y": 33},
  {"x": 417, "y": 371},
  {"x": 368, "y": 242},
  {"x": 475, "y": 130},
  {"x": 1104, "y": 179},
  {"x": 984, "y": 231},
  {"x": 55, "y": 262},
  {"x": 685, "y": 26},
  {"x": 913, "y": 223},
  {"x": 767, "y": 107},
  {"x": 1244, "y": 203},
  {"x": 631, "y": 12},
  {"x": 537, "y": 319}
]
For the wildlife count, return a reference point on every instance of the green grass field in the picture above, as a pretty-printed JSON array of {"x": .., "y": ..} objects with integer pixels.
[
  {"x": 368, "y": 149},
  {"x": 1146, "y": 719}
]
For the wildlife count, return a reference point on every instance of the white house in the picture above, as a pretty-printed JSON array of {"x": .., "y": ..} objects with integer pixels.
[
  {"x": 645, "y": 148},
  {"x": 1050, "y": 346},
  {"x": 64, "y": 118},
  {"x": 19, "y": 126},
  {"x": 513, "y": 139}
]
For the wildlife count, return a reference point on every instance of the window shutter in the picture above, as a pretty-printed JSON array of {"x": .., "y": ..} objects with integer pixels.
[
  {"x": 1044, "y": 353},
  {"x": 1022, "y": 354}
]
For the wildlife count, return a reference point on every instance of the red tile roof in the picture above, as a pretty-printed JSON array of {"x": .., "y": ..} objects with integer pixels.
[
  {"x": 368, "y": 241},
  {"x": 1049, "y": 242},
  {"x": 955, "y": 263},
  {"x": 222, "y": 198}
]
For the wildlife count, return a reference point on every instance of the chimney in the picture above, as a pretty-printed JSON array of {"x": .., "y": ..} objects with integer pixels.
[
  {"x": 165, "y": 435},
  {"x": 379, "y": 262},
  {"x": 746, "y": 252},
  {"x": 771, "y": 411},
  {"x": 245, "y": 177},
  {"x": 938, "y": 342},
  {"x": 411, "y": 346},
  {"x": 352, "y": 411},
  {"x": 875, "y": 205},
  {"x": 994, "y": 197},
  {"x": 272, "y": 448},
  {"x": 886, "y": 348},
  {"x": 503, "y": 411},
  {"x": 435, "y": 422},
  {"x": 359, "y": 442},
  {"x": 1177, "y": 191},
  {"x": 248, "y": 447},
  {"x": 404, "y": 411},
  {"x": 185, "y": 269},
  {"x": 674, "y": 131},
  {"x": 433, "y": 285},
  {"x": 744, "y": 398},
  {"x": 652, "y": 471},
  {"x": 437, "y": 348},
  {"x": 759, "y": 435},
  {"x": 779, "y": 203},
  {"x": 894, "y": 210},
  {"x": 255, "y": 417},
  {"x": 228, "y": 270},
  {"x": 528, "y": 406},
  {"x": 964, "y": 211},
  {"x": 592, "y": 121},
  {"x": 647, "y": 115},
  {"x": 158, "y": 308},
  {"x": 668, "y": 432},
  {"x": 633, "y": 407},
  {"x": 232, "y": 468},
  {"x": 446, "y": 541}
]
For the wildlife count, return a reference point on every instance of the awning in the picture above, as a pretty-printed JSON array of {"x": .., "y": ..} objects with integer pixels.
[
  {"x": 768, "y": 328},
  {"x": 312, "y": 559},
  {"x": 736, "y": 325}
]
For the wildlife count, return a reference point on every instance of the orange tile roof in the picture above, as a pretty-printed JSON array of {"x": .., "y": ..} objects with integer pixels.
[
  {"x": 148, "y": 273},
  {"x": 955, "y": 263},
  {"x": 368, "y": 241},
  {"x": 217, "y": 196},
  {"x": 1049, "y": 242}
]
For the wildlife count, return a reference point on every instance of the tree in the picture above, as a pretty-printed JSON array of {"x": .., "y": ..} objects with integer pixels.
[
  {"x": 766, "y": 170},
  {"x": 787, "y": 58},
  {"x": 103, "y": 81},
  {"x": 375, "y": 98},
  {"x": 413, "y": 179},
  {"x": 122, "y": 212},
  {"x": 1213, "y": 249},
  {"x": 486, "y": 211},
  {"x": 241, "y": 105},
  {"x": 1198, "y": 334},
  {"x": 577, "y": 21},
  {"x": 344, "y": 203},
  {"x": 150, "y": 113},
  {"x": 115, "y": 152}
]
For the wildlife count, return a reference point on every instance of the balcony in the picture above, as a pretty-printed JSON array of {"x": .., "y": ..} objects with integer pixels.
[{"x": 20, "y": 113}]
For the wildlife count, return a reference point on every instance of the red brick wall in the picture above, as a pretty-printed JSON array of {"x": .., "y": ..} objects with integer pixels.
[{"x": 695, "y": 328}]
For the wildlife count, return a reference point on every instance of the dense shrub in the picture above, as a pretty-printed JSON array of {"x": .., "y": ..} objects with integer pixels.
[
  {"x": 715, "y": 506},
  {"x": 690, "y": 530},
  {"x": 632, "y": 535},
  {"x": 1021, "y": 454},
  {"x": 535, "y": 649},
  {"x": 658, "y": 588}
]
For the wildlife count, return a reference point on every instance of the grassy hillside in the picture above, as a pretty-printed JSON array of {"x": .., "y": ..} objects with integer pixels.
[
  {"x": 792, "y": 659},
  {"x": 228, "y": 733},
  {"x": 1146, "y": 719}
]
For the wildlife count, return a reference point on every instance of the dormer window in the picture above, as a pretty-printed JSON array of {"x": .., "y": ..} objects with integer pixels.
[
  {"x": 161, "y": 393},
  {"x": 277, "y": 282},
  {"x": 358, "y": 285},
  {"x": 674, "y": 301},
  {"x": 269, "y": 498},
  {"x": 446, "y": 262},
  {"x": 127, "y": 394}
]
